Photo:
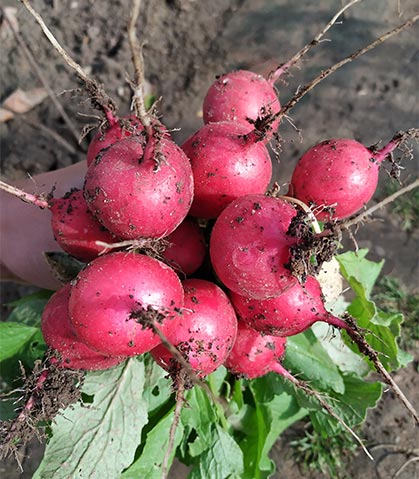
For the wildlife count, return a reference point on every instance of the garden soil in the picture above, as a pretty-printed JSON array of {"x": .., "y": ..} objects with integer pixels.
[{"x": 189, "y": 42}]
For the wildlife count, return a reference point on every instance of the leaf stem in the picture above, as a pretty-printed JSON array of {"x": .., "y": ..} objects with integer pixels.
[
  {"x": 138, "y": 62},
  {"x": 26, "y": 197}
]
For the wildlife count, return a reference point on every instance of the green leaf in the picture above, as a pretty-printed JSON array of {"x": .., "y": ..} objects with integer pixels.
[
  {"x": 216, "y": 379},
  {"x": 351, "y": 407},
  {"x": 99, "y": 439},
  {"x": 149, "y": 101},
  {"x": 148, "y": 465},
  {"x": 346, "y": 359},
  {"x": 268, "y": 420},
  {"x": 20, "y": 336},
  {"x": 381, "y": 329},
  {"x": 42, "y": 294},
  {"x": 200, "y": 415},
  {"x": 355, "y": 265},
  {"x": 223, "y": 459},
  {"x": 13, "y": 336},
  {"x": 7, "y": 409},
  {"x": 28, "y": 310},
  {"x": 306, "y": 356},
  {"x": 157, "y": 387}
]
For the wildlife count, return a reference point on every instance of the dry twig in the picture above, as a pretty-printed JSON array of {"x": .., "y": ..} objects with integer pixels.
[
  {"x": 275, "y": 74},
  {"x": 324, "y": 74},
  {"x": 361, "y": 217},
  {"x": 98, "y": 96}
]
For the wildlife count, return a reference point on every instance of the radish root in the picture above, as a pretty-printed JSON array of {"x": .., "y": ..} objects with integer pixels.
[
  {"x": 137, "y": 59},
  {"x": 355, "y": 333},
  {"x": 180, "y": 399},
  {"x": 361, "y": 217},
  {"x": 311, "y": 392}
]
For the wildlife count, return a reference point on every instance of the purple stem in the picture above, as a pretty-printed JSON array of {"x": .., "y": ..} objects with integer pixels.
[
  {"x": 112, "y": 119},
  {"x": 278, "y": 368},
  {"x": 26, "y": 197},
  {"x": 398, "y": 138},
  {"x": 335, "y": 321}
]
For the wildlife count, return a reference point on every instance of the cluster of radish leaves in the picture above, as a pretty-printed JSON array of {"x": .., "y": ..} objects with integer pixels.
[{"x": 122, "y": 427}]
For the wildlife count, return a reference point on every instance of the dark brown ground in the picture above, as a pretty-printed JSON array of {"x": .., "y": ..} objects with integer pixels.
[{"x": 188, "y": 43}]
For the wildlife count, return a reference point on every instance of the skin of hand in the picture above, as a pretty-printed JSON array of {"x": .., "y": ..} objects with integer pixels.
[{"x": 25, "y": 230}]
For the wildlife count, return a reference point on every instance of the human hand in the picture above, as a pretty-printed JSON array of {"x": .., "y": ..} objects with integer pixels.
[{"x": 26, "y": 231}]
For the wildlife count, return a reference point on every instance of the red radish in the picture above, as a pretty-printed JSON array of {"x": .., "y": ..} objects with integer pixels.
[
  {"x": 118, "y": 297},
  {"x": 114, "y": 130},
  {"x": 186, "y": 250},
  {"x": 292, "y": 312},
  {"x": 249, "y": 246},
  {"x": 206, "y": 332},
  {"x": 59, "y": 335},
  {"x": 132, "y": 195},
  {"x": 255, "y": 354},
  {"x": 340, "y": 174},
  {"x": 75, "y": 228},
  {"x": 226, "y": 163},
  {"x": 243, "y": 97}
]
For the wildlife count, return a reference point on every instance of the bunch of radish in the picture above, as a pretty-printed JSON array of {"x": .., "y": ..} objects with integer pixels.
[
  {"x": 186, "y": 254},
  {"x": 141, "y": 189}
]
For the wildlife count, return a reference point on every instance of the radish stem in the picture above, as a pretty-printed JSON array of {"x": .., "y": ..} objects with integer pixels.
[{"x": 26, "y": 197}]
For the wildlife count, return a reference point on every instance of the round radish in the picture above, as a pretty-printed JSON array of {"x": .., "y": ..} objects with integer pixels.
[
  {"x": 206, "y": 332},
  {"x": 114, "y": 130},
  {"x": 340, "y": 175},
  {"x": 255, "y": 354},
  {"x": 186, "y": 250},
  {"x": 243, "y": 97},
  {"x": 59, "y": 335},
  {"x": 249, "y": 246},
  {"x": 226, "y": 163},
  {"x": 138, "y": 189},
  {"x": 117, "y": 299},
  {"x": 75, "y": 229},
  {"x": 292, "y": 312}
]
